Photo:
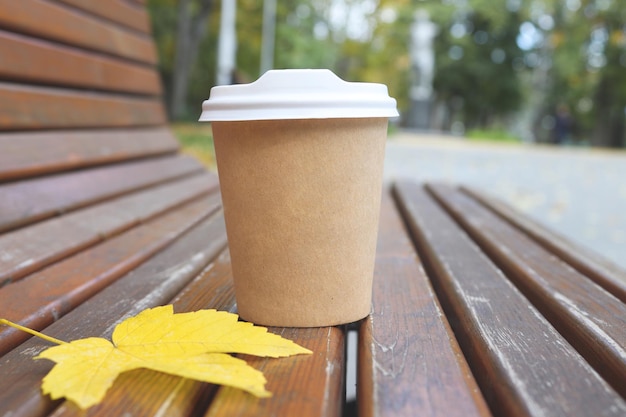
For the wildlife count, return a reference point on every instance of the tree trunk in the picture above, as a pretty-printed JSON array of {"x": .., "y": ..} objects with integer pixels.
[{"x": 190, "y": 31}]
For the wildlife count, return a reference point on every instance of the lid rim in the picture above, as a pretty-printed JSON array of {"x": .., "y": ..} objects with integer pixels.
[{"x": 298, "y": 94}]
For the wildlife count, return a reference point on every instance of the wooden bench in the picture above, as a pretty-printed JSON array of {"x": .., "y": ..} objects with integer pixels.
[{"x": 476, "y": 310}]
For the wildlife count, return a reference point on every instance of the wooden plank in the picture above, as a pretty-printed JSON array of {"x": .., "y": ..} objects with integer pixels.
[
  {"x": 44, "y": 297},
  {"x": 29, "y": 249},
  {"x": 37, "y": 199},
  {"x": 134, "y": 394},
  {"x": 523, "y": 365},
  {"x": 54, "y": 21},
  {"x": 30, "y": 59},
  {"x": 605, "y": 273},
  {"x": 289, "y": 379},
  {"x": 409, "y": 361},
  {"x": 26, "y": 154},
  {"x": 117, "y": 11},
  {"x": 154, "y": 283},
  {"x": 29, "y": 108},
  {"x": 301, "y": 385},
  {"x": 591, "y": 319},
  {"x": 148, "y": 393}
]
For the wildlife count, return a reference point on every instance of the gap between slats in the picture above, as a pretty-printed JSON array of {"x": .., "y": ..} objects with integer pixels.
[
  {"x": 409, "y": 360},
  {"x": 606, "y": 274},
  {"x": 30, "y": 249},
  {"x": 43, "y": 297},
  {"x": 591, "y": 319},
  {"x": 153, "y": 283},
  {"x": 523, "y": 365}
]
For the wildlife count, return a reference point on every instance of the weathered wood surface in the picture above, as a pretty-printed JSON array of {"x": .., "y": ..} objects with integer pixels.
[
  {"x": 409, "y": 361},
  {"x": 62, "y": 193},
  {"x": 100, "y": 219},
  {"x": 602, "y": 271},
  {"x": 27, "y": 154},
  {"x": 523, "y": 365},
  {"x": 64, "y": 24},
  {"x": 46, "y": 296},
  {"x": 161, "y": 393},
  {"x": 301, "y": 385},
  {"x": 28, "y": 59},
  {"x": 29, "y": 249},
  {"x": 591, "y": 319},
  {"x": 155, "y": 282},
  {"x": 509, "y": 359}
]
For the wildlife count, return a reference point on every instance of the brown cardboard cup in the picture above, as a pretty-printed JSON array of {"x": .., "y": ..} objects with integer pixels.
[{"x": 301, "y": 203}]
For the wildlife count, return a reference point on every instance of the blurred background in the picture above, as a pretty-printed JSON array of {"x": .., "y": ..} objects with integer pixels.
[
  {"x": 523, "y": 98},
  {"x": 547, "y": 71}
]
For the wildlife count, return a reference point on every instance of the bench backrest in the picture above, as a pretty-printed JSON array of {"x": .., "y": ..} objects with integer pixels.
[
  {"x": 78, "y": 86},
  {"x": 83, "y": 130}
]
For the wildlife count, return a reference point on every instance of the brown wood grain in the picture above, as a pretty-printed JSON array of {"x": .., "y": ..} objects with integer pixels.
[
  {"x": 148, "y": 393},
  {"x": 29, "y": 249},
  {"x": 46, "y": 296},
  {"x": 153, "y": 283},
  {"x": 29, "y": 108},
  {"x": 409, "y": 361},
  {"x": 37, "y": 199},
  {"x": 56, "y": 21},
  {"x": 26, "y": 154},
  {"x": 302, "y": 385},
  {"x": 591, "y": 319},
  {"x": 605, "y": 273},
  {"x": 27, "y": 59},
  {"x": 117, "y": 11},
  {"x": 523, "y": 365}
]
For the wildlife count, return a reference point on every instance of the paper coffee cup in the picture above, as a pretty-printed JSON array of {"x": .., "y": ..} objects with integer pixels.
[{"x": 300, "y": 159}]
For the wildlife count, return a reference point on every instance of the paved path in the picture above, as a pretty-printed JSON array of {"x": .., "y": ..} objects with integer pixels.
[{"x": 578, "y": 192}]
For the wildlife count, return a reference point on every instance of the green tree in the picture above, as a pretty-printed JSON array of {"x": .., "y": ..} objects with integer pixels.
[
  {"x": 495, "y": 59},
  {"x": 588, "y": 75}
]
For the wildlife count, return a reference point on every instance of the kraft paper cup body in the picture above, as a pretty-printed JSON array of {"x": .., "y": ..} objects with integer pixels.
[{"x": 301, "y": 202}]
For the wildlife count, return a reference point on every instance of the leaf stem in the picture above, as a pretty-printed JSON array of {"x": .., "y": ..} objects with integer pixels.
[{"x": 31, "y": 331}]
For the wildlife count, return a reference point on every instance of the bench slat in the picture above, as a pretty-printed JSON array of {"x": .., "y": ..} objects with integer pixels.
[
  {"x": 118, "y": 11},
  {"x": 591, "y": 319},
  {"x": 47, "y": 295},
  {"x": 602, "y": 271},
  {"x": 148, "y": 393},
  {"x": 27, "y": 154},
  {"x": 154, "y": 283},
  {"x": 143, "y": 392},
  {"x": 27, "y": 250},
  {"x": 523, "y": 365},
  {"x": 52, "y": 20},
  {"x": 28, "y": 59},
  {"x": 66, "y": 192},
  {"x": 28, "y": 108},
  {"x": 303, "y": 385},
  {"x": 409, "y": 361}
]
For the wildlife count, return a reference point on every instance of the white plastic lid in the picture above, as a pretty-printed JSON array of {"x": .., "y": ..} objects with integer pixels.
[{"x": 298, "y": 94}]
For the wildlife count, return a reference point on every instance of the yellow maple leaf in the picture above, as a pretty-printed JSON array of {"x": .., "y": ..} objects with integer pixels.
[{"x": 191, "y": 345}]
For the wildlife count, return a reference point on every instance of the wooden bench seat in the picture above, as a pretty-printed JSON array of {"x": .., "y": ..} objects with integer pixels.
[{"x": 476, "y": 310}]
